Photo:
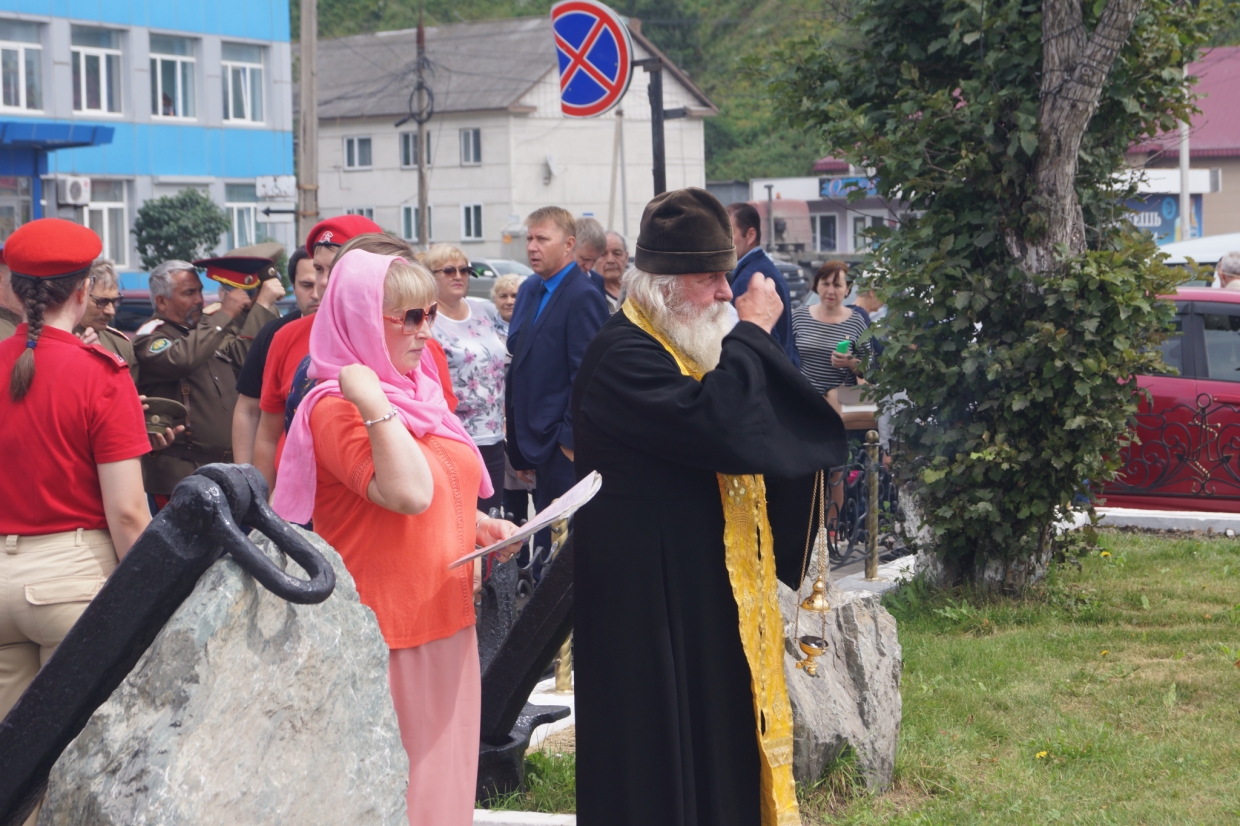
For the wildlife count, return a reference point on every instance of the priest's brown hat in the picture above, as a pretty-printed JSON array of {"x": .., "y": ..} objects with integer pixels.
[{"x": 685, "y": 231}]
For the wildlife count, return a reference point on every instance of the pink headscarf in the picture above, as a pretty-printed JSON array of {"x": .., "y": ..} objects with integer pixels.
[{"x": 349, "y": 330}]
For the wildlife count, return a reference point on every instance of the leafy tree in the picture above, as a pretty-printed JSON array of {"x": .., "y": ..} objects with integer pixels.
[
  {"x": 1022, "y": 304},
  {"x": 184, "y": 226}
]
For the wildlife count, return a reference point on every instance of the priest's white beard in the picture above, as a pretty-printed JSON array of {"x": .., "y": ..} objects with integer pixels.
[{"x": 697, "y": 332}]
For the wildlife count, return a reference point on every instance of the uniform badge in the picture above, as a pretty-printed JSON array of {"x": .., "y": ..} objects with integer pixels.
[{"x": 159, "y": 345}]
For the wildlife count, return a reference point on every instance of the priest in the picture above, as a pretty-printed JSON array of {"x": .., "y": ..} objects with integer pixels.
[{"x": 707, "y": 439}]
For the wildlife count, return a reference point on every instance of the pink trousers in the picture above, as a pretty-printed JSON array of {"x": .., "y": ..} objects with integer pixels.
[{"x": 437, "y": 691}]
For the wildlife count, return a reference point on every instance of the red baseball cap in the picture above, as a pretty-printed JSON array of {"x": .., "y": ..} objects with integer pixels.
[
  {"x": 339, "y": 230},
  {"x": 51, "y": 248}
]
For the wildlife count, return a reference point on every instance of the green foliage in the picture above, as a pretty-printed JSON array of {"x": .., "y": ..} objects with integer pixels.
[
  {"x": 550, "y": 785},
  {"x": 184, "y": 226},
  {"x": 1020, "y": 388}
]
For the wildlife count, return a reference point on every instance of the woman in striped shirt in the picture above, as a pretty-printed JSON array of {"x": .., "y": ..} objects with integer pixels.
[{"x": 820, "y": 328}]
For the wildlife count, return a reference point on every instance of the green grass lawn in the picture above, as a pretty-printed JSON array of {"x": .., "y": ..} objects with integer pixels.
[{"x": 1111, "y": 696}]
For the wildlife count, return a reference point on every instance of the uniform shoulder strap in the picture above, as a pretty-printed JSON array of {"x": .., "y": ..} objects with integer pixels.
[{"x": 117, "y": 363}]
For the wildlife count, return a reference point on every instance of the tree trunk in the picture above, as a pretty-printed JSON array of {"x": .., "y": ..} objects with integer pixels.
[{"x": 1074, "y": 70}]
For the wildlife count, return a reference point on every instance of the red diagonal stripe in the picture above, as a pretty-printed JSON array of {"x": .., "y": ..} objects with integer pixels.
[
  {"x": 579, "y": 60},
  {"x": 577, "y": 57}
]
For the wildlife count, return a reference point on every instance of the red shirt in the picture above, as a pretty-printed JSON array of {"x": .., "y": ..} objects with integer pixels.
[
  {"x": 82, "y": 410},
  {"x": 289, "y": 346}
]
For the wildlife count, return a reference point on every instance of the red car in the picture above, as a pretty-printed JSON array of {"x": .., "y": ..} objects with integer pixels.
[{"x": 1189, "y": 455}]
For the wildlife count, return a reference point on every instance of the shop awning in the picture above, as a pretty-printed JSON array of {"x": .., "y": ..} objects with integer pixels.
[{"x": 49, "y": 135}]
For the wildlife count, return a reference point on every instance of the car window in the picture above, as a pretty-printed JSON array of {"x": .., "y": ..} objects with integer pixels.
[
  {"x": 1173, "y": 347},
  {"x": 1222, "y": 339}
]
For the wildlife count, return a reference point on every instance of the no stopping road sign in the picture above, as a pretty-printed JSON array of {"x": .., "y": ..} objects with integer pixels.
[{"x": 595, "y": 54}]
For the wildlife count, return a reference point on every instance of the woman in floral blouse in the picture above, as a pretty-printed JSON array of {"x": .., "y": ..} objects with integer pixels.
[{"x": 469, "y": 331}]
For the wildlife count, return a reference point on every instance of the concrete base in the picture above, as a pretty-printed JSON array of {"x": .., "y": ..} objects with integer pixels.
[{"x": 889, "y": 576}]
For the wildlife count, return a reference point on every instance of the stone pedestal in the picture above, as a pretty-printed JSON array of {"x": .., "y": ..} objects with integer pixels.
[
  {"x": 246, "y": 709},
  {"x": 855, "y": 698}
]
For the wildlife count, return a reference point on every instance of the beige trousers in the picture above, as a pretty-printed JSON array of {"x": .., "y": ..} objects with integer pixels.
[{"x": 46, "y": 582}]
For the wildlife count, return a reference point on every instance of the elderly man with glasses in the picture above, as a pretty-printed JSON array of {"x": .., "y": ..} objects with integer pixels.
[{"x": 101, "y": 306}]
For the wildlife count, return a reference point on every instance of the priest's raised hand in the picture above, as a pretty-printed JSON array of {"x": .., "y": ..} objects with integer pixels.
[{"x": 761, "y": 303}]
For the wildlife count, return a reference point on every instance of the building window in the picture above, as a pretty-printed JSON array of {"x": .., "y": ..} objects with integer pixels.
[
  {"x": 14, "y": 204},
  {"x": 861, "y": 223},
  {"x": 105, "y": 215},
  {"x": 471, "y": 147},
  {"x": 357, "y": 153},
  {"x": 409, "y": 222},
  {"x": 95, "y": 58},
  {"x": 365, "y": 212},
  {"x": 822, "y": 233},
  {"x": 241, "y": 204},
  {"x": 471, "y": 222},
  {"x": 172, "y": 77},
  {"x": 21, "y": 65},
  {"x": 243, "y": 82},
  {"x": 409, "y": 150}
]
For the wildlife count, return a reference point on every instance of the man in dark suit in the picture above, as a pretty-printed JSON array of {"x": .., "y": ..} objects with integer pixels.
[
  {"x": 751, "y": 258},
  {"x": 556, "y": 316}
]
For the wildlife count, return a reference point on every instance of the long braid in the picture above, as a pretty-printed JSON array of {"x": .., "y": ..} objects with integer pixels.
[{"x": 37, "y": 294}]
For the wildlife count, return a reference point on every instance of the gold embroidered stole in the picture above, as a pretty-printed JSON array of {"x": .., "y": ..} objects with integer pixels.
[{"x": 749, "y": 554}]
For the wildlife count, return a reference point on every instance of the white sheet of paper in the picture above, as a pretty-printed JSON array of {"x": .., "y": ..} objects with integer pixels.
[{"x": 560, "y": 508}]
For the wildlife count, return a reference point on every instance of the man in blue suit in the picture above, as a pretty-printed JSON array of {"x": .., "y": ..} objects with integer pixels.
[
  {"x": 556, "y": 316},
  {"x": 751, "y": 258}
]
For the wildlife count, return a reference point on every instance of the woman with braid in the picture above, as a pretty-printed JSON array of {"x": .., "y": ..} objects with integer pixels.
[{"x": 71, "y": 498}]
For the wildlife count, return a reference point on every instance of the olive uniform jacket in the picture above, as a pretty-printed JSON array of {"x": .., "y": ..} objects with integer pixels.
[
  {"x": 198, "y": 368},
  {"x": 114, "y": 341},
  {"x": 8, "y": 322}
]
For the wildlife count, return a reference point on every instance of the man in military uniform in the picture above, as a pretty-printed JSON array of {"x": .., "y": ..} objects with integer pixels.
[
  {"x": 105, "y": 299},
  {"x": 192, "y": 354},
  {"x": 11, "y": 311}
]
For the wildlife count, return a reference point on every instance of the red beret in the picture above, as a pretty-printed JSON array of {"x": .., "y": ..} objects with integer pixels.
[
  {"x": 239, "y": 271},
  {"x": 339, "y": 230},
  {"x": 51, "y": 248}
]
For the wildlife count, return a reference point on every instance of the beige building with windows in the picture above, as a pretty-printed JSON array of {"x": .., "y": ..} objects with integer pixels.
[{"x": 498, "y": 144}]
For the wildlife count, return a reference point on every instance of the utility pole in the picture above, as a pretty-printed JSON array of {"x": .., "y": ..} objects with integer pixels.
[
  {"x": 424, "y": 234},
  {"x": 655, "y": 67},
  {"x": 308, "y": 128},
  {"x": 1186, "y": 193}
]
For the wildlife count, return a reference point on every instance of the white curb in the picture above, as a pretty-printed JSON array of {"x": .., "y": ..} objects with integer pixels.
[
  {"x": 522, "y": 818},
  {"x": 1170, "y": 520}
]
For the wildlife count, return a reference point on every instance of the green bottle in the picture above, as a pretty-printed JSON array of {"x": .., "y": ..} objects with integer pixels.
[{"x": 842, "y": 347}]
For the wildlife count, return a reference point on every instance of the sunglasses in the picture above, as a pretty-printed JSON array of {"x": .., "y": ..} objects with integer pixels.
[
  {"x": 452, "y": 271},
  {"x": 102, "y": 303},
  {"x": 413, "y": 318}
]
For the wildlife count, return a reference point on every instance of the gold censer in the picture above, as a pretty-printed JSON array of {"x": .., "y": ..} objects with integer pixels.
[{"x": 816, "y": 603}]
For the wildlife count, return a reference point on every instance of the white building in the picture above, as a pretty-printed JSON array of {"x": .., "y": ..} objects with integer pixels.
[{"x": 499, "y": 146}]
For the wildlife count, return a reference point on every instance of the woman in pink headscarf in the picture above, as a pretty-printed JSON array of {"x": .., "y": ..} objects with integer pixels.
[{"x": 392, "y": 481}]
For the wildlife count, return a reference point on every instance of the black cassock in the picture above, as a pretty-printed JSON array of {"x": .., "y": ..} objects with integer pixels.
[{"x": 665, "y": 721}]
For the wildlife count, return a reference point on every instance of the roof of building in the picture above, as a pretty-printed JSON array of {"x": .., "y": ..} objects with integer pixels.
[
  {"x": 474, "y": 67},
  {"x": 1216, "y": 130},
  {"x": 830, "y": 164}
]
